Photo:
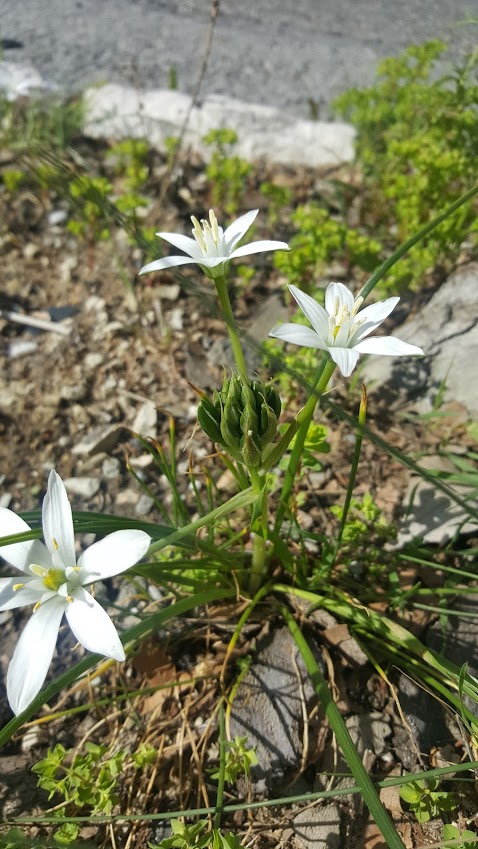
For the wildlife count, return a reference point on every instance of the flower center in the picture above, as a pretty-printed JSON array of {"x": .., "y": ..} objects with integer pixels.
[
  {"x": 343, "y": 314},
  {"x": 52, "y": 578},
  {"x": 207, "y": 234}
]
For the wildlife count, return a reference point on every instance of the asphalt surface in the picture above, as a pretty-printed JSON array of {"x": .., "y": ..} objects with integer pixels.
[{"x": 286, "y": 54}]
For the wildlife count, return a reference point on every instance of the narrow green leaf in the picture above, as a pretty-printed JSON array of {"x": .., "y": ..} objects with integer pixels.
[{"x": 367, "y": 788}]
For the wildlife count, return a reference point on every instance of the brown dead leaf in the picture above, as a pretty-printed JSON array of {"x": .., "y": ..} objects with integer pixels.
[{"x": 156, "y": 667}]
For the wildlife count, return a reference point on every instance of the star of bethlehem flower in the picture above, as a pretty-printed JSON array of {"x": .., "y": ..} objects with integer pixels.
[
  {"x": 53, "y": 581},
  {"x": 342, "y": 327},
  {"x": 212, "y": 248}
]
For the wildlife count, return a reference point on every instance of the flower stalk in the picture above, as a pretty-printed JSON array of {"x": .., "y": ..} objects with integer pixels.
[
  {"x": 299, "y": 426},
  {"x": 228, "y": 315}
]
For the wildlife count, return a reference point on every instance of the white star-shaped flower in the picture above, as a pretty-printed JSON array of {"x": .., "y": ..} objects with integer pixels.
[
  {"x": 212, "y": 248},
  {"x": 342, "y": 327},
  {"x": 54, "y": 582}
]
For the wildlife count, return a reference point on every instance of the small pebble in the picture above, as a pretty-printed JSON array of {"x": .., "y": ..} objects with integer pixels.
[{"x": 86, "y": 487}]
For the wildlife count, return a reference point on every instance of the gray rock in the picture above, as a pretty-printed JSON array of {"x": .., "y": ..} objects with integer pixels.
[
  {"x": 428, "y": 724},
  {"x": 268, "y": 709},
  {"x": 431, "y": 515},
  {"x": 318, "y": 827},
  {"x": 144, "y": 505},
  {"x": 265, "y": 132},
  {"x": 146, "y": 419},
  {"x": 447, "y": 330},
  {"x": 110, "y": 468},
  {"x": 100, "y": 440},
  {"x": 20, "y": 79},
  {"x": 369, "y": 731},
  {"x": 85, "y": 487}
]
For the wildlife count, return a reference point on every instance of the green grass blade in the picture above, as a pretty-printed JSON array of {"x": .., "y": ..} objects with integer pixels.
[{"x": 360, "y": 774}]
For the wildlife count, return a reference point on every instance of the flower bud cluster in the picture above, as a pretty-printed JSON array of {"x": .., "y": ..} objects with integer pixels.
[{"x": 242, "y": 417}]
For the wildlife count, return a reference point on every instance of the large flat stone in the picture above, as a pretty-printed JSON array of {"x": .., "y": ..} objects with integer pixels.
[
  {"x": 117, "y": 111},
  {"x": 447, "y": 330}
]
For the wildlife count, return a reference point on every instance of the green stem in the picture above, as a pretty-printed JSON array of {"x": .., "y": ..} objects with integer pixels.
[
  {"x": 228, "y": 315},
  {"x": 222, "y": 769},
  {"x": 353, "y": 471},
  {"x": 260, "y": 536},
  {"x": 300, "y": 426},
  {"x": 360, "y": 774},
  {"x": 242, "y": 499}
]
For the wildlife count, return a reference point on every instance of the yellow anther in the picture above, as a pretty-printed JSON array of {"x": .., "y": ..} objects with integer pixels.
[
  {"x": 18, "y": 587},
  {"x": 37, "y": 605},
  {"x": 55, "y": 544}
]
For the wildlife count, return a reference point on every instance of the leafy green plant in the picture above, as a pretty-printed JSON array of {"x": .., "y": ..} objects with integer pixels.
[
  {"x": 197, "y": 836},
  {"x": 91, "y": 779},
  {"x": 425, "y": 800},
  {"x": 464, "y": 839},
  {"x": 315, "y": 444},
  {"x": 128, "y": 158},
  {"x": 227, "y": 173},
  {"x": 409, "y": 176},
  {"x": 239, "y": 760},
  {"x": 90, "y": 196},
  {"x": 278, "y": 197},
  {"x": 319, "y": 240},
  {"x": 13, "y": 179}
]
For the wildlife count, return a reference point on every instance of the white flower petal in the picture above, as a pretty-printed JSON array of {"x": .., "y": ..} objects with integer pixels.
[
  {"x": 183, "y": 243},
  {"x": 166, "y": 262},
  {"x": 371, "y": 317},
  {"x": 298, "y": 335},
  {"x": 21, "y": 554},
  {"x": 345, "y": 358},
  {"x": 259, "y": 247},
  {"x": 313, "y": 311},
  {"x": 338, "y": 296},
  {"x": 92, "y": 626},
  {"x": 389, "y": 346},
  {"x": 33, "y": 654},
  {"x": 235, "y": 232},
  {"x": 112, "y": 555},
  {"x": 30, "y": 593},
  {"x": 213, "y": 261},
  {"x": 58, "y": 523}
]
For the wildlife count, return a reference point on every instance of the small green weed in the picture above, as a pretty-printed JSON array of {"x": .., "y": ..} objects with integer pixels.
[
  {"x": 239, "y": 759},
  {"x": 425, "y": 800},
  {"x": 129, "y": 160},
  {"x": 90, "y": 197},
  {"x": 465, "y": 839},
  {"x": 91, "y": 779},
  {"x": 197, "y": 836},
  {"x": 320, "y": 240},
  {"x": 227, "y": 173},
  {"x": 279, "y": 197}
]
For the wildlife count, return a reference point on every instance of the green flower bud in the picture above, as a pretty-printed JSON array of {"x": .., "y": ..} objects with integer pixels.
[
  {"x": 209, "y": 418},
  {"x": 242, "y": 417},
  {"x": 251, "y": 451}
]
